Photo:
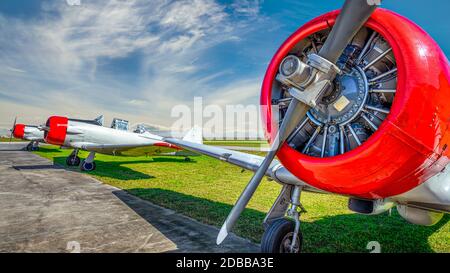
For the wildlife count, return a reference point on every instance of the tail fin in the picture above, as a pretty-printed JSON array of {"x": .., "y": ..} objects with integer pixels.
[
  {"x": 195, "y": 135},
  {"x": 100, "y": 120}
]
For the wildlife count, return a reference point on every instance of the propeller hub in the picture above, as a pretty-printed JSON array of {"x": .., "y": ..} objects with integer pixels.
[
  {"x": 346, "y": 100},
  {"x": 353, "y": 105}
]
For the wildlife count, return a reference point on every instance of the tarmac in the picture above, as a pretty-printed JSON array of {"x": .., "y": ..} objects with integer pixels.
[{"x": 46, "y": 208}]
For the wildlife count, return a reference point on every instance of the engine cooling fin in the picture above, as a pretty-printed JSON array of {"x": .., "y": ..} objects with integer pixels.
[{"x": 359, "y": 101}]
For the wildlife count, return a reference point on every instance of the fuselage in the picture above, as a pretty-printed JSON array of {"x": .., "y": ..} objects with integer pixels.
[
  {"x": 92, "y": 137},
  {"x": 28, "y": 132}
]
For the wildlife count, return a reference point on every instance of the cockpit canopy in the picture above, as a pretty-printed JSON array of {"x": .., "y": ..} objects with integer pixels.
[
  {"x": 120, "y": 124},
  {"x": 140, "y": 129}
]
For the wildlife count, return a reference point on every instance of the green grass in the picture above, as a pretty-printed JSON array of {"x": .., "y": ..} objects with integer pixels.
[
  {"x": 205, "y": 189},
  {"x": 247, "y": 143},
  {"x": 6, "y": 139}
]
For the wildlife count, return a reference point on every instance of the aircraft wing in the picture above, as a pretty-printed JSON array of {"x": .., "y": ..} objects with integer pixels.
[
  {"x": 126, "y": 149},
  {"x": 40, "y": 139},
  {"x": 247, "y": 161},
  {"x": 246, "y": 148}
]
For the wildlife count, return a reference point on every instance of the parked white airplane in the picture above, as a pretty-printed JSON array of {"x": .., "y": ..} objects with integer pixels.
[
  {"x": 90, "y": 135},
  {"x": 28, "y": 132},
  {"x": 363, "y": 95}
]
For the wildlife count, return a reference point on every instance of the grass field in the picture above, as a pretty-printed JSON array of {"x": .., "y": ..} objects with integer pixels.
[
  {"x": 249, "y": 143},
  {"x": 6, "y": 139},
  {"x": 205, "y": 189}
]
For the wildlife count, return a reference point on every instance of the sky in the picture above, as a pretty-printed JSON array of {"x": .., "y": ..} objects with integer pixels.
[{"x": 137, "y": 59}]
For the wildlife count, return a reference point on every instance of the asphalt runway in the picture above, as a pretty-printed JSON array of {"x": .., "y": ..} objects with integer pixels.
[{"x": 46, "y": 208}]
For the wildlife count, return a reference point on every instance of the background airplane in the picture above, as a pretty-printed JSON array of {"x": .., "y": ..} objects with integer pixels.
[
  {"x": 31, "y": 133},
  {"x": 90, "y": 135},
  {"x": 363, "y": 95}
]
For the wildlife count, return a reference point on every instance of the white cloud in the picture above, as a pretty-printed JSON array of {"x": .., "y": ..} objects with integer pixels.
[
  {"x": 54, "y": 62},
  {"x": 194, "y": 15},
  {"x": 247, "y": 7},
  {"x": 15, "y": 69}
]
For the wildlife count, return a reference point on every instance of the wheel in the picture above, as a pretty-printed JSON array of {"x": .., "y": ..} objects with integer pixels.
[
  {"x": 278, "y": 238},
  {"x": 73, "y": 161},
  {"x": 87, "y": 167},
  {"x": 187, "y": 159}
]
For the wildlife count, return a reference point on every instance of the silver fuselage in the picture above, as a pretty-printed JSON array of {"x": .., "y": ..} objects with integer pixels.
[
  {"x": 111, "y": 141},
  {"x": 33, "y": 133}
]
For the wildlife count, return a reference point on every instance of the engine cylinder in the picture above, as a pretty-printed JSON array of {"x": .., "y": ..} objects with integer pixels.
[{"x": 293, "y": 71}]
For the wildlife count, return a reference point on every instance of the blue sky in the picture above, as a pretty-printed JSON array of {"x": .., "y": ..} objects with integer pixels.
[{"x": 137, "y": 59}]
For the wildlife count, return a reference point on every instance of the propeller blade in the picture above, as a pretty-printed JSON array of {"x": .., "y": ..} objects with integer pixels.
[
  {"x": 12, "y": 130},
  {"x": 296, "y": 111},
  {"x": 352, "y": 18}
]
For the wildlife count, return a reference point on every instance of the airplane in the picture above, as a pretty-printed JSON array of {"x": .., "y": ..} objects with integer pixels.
[
  {"x": 31, "y": 133},
  {"x": 362, "y": 98},
  {"x": 92, "y": 136}
]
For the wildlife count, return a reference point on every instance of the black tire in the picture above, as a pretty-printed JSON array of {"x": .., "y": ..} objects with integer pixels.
[
  {"x": 187, "y": 159},
  {"x": 278, "y": 236},
  {"x": 87, "y": 167},
  {"x": 73, "y": 161}
]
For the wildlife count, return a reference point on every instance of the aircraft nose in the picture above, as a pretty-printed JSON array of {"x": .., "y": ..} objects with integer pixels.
[
  {"x": 56, "y": 130},
  {"x": 19, "y": 131}
]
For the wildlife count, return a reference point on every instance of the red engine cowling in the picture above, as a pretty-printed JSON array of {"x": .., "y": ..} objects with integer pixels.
[
  {"x": 56, "y": 130},
  {"x": 409, "y": 146},
  {"x": 19, "y": 131}
]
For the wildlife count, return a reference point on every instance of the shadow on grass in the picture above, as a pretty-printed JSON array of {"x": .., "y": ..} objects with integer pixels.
[
  {"x": 174, "y": 159},
  {"x": 339, "y": 233},
  {"x": 112, "y": 169},
  {"x": 48, "y": 150},
  {"x": 118, "y": 169}
]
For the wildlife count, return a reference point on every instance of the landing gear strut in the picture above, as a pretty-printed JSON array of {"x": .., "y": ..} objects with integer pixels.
[
  {"x": 73, "y": 159},
  {"x": 33, "y": 146},
  {"x": 88, "y": 164},
  {"x": 283, "y": 235}
]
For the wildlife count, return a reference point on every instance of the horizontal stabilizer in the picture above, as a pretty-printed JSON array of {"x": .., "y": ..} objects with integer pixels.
[
  {"x": 97, "y": 121},
  {"x": 100, "y": 120},
  {"x": 195, "y": 135}
]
